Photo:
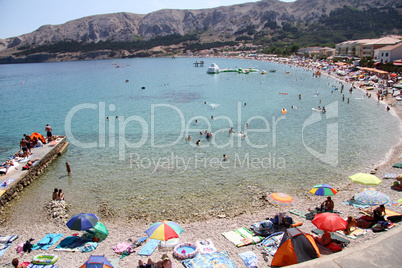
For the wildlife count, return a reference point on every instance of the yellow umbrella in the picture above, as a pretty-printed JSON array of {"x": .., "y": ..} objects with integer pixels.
[{"x": 365, "y": 178}]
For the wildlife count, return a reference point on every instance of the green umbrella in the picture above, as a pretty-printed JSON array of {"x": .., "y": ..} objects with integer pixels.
[
  {"x": 99, "y": 231},
  {"x": 365, "y": 178},
  {"x": 399, "y": 165}
]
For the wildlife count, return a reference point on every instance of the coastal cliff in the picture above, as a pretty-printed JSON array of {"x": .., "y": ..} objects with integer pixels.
[{"x": 266, "y": 21}]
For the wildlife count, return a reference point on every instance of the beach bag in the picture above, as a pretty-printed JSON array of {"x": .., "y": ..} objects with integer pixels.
[
  {"x": 395, "y": 219},
  {"x": 378, "y": 228},
  {"x": 264, "y": 228}
]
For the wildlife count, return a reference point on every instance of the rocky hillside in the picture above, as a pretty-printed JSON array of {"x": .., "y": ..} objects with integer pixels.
[{"x": 218, "y": 24}]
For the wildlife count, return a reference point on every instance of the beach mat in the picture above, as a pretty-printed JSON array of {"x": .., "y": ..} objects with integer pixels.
[
  {"x": 149, "y": 247},
  {"x": 46, "y": 242},
  {"x": 271, "y": 243},
  {"x": 387, "y": 213},
  {"x": 210, "y": 260},
  {"x": 115, "y": 262},
  {"x": 333, "y": 236},
  {"x": 205, "y": 246},
  {"x": 5, "y": 183},
  {"x": 242, "y": 237},
  {"x": 31, "y": 265}
]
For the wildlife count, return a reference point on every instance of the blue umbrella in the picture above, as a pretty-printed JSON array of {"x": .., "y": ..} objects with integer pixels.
[
  {"x": 82, "y": 221},
  {"x": 372, "y": 198}
]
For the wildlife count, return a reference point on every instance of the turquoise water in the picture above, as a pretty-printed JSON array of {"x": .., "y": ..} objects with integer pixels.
[{"x": 140, "y": 163}]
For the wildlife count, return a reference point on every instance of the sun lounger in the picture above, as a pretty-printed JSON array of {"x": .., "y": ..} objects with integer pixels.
[
  {"x": 46, "y": 242},
  {"x": 149, "y": 247},
  {"x": 334, "y": 236},
  {"x": 242, "y": 237}
]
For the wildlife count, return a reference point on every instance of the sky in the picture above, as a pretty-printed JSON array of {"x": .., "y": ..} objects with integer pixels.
[{"x": 25, "y": 16}]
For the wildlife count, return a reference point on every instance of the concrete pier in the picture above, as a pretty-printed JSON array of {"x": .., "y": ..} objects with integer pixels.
[{"x": 18, "y": 179}]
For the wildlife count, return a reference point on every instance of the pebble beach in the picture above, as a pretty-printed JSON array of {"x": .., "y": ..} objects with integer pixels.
[{"x": 36, "y": 224}]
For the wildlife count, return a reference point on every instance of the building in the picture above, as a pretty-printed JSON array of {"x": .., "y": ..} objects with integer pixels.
[
  {"x": 388, "y": 53},
  {"x": 364, "y": 47}
]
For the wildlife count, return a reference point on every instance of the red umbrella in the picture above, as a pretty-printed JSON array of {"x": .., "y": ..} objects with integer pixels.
[
  {"x": 330, "y": 222},
  {"x": 393, "y": 75}
]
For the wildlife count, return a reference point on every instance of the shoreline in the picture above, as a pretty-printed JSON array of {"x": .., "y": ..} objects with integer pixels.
[{"x": 211, "y": 227}]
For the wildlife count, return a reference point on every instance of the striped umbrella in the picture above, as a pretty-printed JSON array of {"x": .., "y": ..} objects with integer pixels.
[
  {"x": 323, "y": 189},
  {"x": 281, "y": 199},
  {"x": 372, "y": 198},
  {"x": 164, "y": 230}
]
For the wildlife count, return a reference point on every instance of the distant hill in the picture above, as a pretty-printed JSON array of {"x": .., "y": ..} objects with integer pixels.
[{"x": 267, "y": 22}]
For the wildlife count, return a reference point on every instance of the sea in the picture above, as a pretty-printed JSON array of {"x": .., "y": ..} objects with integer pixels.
[{"x": 127, "y": 121}]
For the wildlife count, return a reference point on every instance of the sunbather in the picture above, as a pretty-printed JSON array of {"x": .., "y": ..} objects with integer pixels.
[
  {"x": 327, "y": 205},
  {"x": 55, "y": 194},
  {"x": 148, "y": 265},
  {"x": 16, "y": 264},
  {"x": 379, "y": 213},
  {"x": 351, "y": 223}
]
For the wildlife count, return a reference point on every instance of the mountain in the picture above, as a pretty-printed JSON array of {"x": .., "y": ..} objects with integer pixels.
[{"x": 264, "y": 22}]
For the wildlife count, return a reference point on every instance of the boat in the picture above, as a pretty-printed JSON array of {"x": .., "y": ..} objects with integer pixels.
[
  {"x": 213, "y": 69},
  {"x": 272, "y": 71},
  {"x": 263, "y": 72}
]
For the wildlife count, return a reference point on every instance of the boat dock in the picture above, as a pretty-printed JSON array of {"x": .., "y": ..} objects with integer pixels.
[
  {"x": 17, "y": 179},
  {"x": 199, "y": 64}
]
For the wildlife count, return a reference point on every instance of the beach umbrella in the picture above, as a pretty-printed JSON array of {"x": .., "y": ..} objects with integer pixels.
[
  {"x": 99, "y": 231},
  {"x": 372, "y": 198},
  {"x": 393, "y": 75},
  {"x": 164, "y": 230},
  {"x": 398, "y": 165},
  {"x": 329, "y": 222},
  {"x": 323, "y": 190},
  {"x": 365, "y": 178},
  {"x": 281, "y": 199},
  {"x": 82, "y": 221}
]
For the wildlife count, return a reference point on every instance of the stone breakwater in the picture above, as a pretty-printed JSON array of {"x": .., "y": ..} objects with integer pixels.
[{"x": 23, "y": 178}]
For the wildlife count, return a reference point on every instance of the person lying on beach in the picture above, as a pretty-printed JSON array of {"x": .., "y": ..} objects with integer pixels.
[
  {"x": 7, "y": 165},
  {"x": 30, "y": 163},
  {"x": 148, "y": 265},
  {"x": 16, "y": 264}
]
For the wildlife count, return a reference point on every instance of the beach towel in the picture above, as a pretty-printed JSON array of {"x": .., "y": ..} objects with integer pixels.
[
  {"x": 357, "y": 232},
  {"x": 71, "y": 243},
  {"x": 271, "y": 243},
  {"x": 5, "y": 242},
  {"x": 242, "y": 237},
  {"x": 46, "y": 242},
  {"x": 355, "y": 203},
  {"x": 210, "y": 260},
  {"x": 6, "y": 183},
  {"x": 149, "y": 247},
  {"x": 115, "y": 262},
  {"x": 333, "y": 236},
  {"x": 308, "y": 215},
  {"x": 249, "y": 258},
  {"x": 31, "y": 265},
  {"x": 88, "y": 247},
  {"x": 205, "y": 246},
  {"x": 390, "y": 175}
]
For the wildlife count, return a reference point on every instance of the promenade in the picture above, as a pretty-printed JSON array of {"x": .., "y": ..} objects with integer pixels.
[{"x": 382, "y": 251}]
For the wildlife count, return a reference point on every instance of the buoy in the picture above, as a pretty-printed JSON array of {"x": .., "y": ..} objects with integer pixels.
[
  {"x": 143, "y": 87},
  {"x": 284, "y": 111}
]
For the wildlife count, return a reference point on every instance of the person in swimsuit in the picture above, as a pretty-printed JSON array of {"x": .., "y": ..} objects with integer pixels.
[
  {"x": 23, "y": 147},
  {"x": 55, "y": 194},
  {"x": 148, "y": 265},
  {"x": 48, "y": 130}
]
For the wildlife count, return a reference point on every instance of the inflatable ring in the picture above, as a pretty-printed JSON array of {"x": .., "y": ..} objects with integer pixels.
[
  {"x": 185, "y": 251},
  {"x": 45, "y": 259}
]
